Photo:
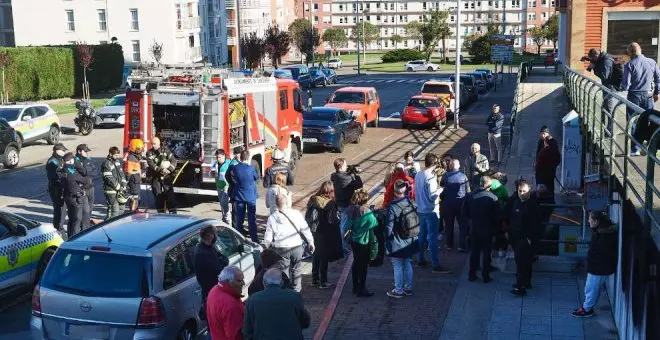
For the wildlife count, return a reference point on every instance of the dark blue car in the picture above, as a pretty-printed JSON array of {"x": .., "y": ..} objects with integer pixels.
[
  {"x": 330, "y": 127},
  {"x": 330, "y": 74}
]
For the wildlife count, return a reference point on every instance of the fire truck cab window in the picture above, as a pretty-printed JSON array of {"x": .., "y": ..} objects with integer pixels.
[
  {"x": 297, "y": 100},
  {"x": 284, "y": 100}
]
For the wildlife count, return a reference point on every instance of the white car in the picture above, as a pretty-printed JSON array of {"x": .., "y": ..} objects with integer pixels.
[
  {"x": 335, "y": 63},
  {"x": 420, "y": 65},
  {"x": 113, "y": 113},
  {"x": 33, "y": 122}
]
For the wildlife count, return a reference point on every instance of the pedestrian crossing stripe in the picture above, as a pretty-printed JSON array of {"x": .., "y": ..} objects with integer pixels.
[{"x": 388, "y": 81}]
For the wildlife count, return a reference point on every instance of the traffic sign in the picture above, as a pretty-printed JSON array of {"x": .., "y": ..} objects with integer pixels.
[{"x": 501, "y": 48}]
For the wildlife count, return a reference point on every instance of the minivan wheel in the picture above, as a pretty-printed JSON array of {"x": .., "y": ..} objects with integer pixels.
[
  {"x": 430, "y": 69},
  {"x": 11, "y": 157},
  {"x": 186, "y": 333},
  {"x": 43, "y": 262},
  {"x": 53, "y": 135},
  {"x": 409, "y": 69},
  {"x": 293, "y": 160}
]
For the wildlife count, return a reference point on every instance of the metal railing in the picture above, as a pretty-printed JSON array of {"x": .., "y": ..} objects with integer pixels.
[
  {"x": 607, "y": 139},
  {"x": 523, "y": 72}
]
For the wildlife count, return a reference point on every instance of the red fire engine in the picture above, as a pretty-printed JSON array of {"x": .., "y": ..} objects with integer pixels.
[{"x": 196, "y": 110}]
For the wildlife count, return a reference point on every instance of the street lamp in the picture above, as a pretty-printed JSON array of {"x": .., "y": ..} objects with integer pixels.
[{"x": 457, "y": 86}]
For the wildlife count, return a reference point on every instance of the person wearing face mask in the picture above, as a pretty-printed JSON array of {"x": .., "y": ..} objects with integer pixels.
[
  {"x": 524, "y": 226},
  {"x": 224, "y": 307},
  {"x": 74, "y": 195},
  {"x": 54, "y": 171},
  {"x": 207, "y": 260},
  {"x": 87, "y": 170},
  {"x": 601, "y": 260},
  {"x": 114, "y": 182}
]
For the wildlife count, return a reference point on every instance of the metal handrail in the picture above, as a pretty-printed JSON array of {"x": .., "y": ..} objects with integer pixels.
[
  {"x": 523, "y": 72},
  {"x": 586, "y": 97}
]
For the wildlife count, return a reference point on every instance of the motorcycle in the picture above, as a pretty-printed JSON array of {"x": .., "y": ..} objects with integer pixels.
[{"x": 86, "y": 116}]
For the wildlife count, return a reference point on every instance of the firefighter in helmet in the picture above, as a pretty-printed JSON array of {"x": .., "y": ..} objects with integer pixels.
[
  {"x": 134, "y": 173},
  {"x": 279, "y": 165},
  {"x": 114, "y": 182},
  {"x": 160, "y": 174}
]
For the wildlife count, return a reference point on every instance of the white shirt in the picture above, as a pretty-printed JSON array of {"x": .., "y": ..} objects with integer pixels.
[{"x": 280, "y": 233}]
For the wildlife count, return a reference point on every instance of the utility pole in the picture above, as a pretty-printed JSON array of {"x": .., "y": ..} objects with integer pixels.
[
  {"x": 238, "y": 35},
  {"x": 357, "y": 41},
  {"x": 457, "y": 86},
  {"x": 311, "y": 21},
  {"x": 503, "y": 32}
]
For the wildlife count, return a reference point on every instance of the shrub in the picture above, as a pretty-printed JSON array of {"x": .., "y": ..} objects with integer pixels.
[
  {"x": 39, "y": 73},
  {"x": 106, "y": 71},
  {"x": 402, "y": 55}
]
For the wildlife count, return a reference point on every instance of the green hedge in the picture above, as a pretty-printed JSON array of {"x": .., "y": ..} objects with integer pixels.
[
  {"x": 39, "y": 73},
  {"x": 402, "y": 55},
  {"x": 48, "y": 72}
]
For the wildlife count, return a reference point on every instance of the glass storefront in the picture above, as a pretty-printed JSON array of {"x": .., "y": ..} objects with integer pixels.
[{"x": 620, "y": 33}]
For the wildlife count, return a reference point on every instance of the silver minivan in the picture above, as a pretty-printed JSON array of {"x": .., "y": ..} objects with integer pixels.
[{"x": 131, "y": 277}]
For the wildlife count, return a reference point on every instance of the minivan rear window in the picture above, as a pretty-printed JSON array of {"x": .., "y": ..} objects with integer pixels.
[
  {"x": 436, "y": 88},
  {"x": 97, "y": 274}
]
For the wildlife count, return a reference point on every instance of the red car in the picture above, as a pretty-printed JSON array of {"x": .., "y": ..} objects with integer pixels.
[{"x": 424, "y": 110}]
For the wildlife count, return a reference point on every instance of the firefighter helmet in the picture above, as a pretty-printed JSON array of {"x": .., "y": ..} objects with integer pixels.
[
  {"x": 277, "y": 155},
  {"x": 136, "y": 145}
]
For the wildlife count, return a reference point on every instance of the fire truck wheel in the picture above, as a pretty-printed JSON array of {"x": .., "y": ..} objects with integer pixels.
[
  {"x": 293, "y": 160},
  {"x": 364, "y": 125},
  {"x": 256, "y": 165}
]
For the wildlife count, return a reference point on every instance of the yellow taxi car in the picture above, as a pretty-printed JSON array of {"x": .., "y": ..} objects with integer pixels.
[
  {"x": 33, "y": 122},
  {"x": 26, "y": 246}
]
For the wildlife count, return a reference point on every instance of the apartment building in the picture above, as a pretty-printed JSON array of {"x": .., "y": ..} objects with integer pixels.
[
  {"x": 250, "y": 16},
  {"x": 320, "y": 12},
  {"x": 6, "y": 24},
  {"x": 214, "y": 31},
  {"x": 391, "y": 18},
  {"x": 133, "y": 24},
  {"x": 283, "y": 13}
]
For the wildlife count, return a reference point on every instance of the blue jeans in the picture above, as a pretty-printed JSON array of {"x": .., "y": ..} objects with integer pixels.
[
  {"x": 592, "y": 290},
  {"x": 428, "y": 232},
  {"x": 223, "y": 198},
  {"x": 643, "y": 100},
  {"x": 343, "y": 220},
  {"x": 239, "y": 218},
  {"x": 403, "y": 272}
]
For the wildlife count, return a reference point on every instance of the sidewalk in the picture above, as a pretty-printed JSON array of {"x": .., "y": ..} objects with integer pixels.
[{"x": 488, "y": 311}]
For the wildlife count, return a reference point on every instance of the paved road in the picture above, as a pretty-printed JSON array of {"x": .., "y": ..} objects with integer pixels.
[{"x": 24, "y": 188}]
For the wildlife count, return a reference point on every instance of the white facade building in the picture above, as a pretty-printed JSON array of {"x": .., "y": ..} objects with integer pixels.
[
  {"x": 214, "y": 31},
  {"x": 392, "y": 16},
  {"x": 255, "y": 16},
  {"x": 134, "y": 24}
]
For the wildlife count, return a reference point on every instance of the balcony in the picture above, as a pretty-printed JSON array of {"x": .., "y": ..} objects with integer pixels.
[
  {"x": 231, "y": 22},
  {"x": 190, "y": 23},
  {"x": 230, "y": 4}
]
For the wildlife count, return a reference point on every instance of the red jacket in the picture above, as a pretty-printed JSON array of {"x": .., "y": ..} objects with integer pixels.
[
  {"x": 224, "y": 312},
  {"x": 389, "y": 191}
]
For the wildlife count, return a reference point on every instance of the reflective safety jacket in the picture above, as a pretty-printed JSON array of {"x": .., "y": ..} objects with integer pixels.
[
  {"x": 113, "y": 176},
  {"x": 133, "y": 170}
]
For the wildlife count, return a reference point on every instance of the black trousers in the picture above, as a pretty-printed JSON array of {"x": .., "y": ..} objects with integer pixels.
[
  {"x": 87, "y": 213},
  {"x": 450, "y": 213},
  {"x": 164, "y": 195},
  {"x": 524, "y": 260},
  {"x": 360, "y": 266},
  {"x": 76, "y": 208},
  {"x": 547, "y": 178},
  {"x": 319, "y": 269},
  {"x": 59, "y": 214},
  {"x": 480, "y": 248}
]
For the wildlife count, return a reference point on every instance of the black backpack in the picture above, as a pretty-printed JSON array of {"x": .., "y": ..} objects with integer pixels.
[
  {"x": 406, "y": 224},
  {"x": 616, "y": 77}
]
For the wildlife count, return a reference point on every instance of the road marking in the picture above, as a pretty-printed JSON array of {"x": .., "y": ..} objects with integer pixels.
[{"x": 386, "y": 138}]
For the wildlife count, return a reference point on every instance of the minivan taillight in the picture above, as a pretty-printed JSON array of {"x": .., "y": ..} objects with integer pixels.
[
  {"x": 151, "y": 314},
  {"x": 36, "y": 301}
]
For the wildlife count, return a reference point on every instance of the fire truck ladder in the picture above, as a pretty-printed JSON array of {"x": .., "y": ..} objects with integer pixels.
[{"x": 209, "y": 125}]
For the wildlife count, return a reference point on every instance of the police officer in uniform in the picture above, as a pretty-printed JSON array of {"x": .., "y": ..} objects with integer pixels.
[
  {"x": 54, "y": 167},
  {"x": 74, "y": 195},
  {"x": 87, "y": 170},
  {"x": 114, "y": 182},
  {"x": 161, "y": 165},
  {"x": 279, "y": 165}
]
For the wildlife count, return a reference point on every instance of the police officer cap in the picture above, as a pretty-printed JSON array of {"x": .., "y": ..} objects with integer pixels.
[
  {"x": 59, "y": 147},
  {"x": 68, "y": 156},
  {"x": 83, "y": 147},
  {"x": 545, "y": 129}
]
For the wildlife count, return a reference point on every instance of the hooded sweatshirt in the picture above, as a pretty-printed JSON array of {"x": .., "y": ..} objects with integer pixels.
[
  {"x": 362, "y": 221},
  {"x": 427, "y": 192},
  {"x": 389, "y": 191},
  {"x": 603, "y": 248},
  {"x": 500, "y": 191}
]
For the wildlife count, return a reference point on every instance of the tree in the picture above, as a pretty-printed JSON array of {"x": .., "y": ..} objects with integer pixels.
[
  {"x": 366, "y": 32},
  {"x": 478, "y": 45},
  {"x": 156, "y": 51},
  {"x": 413, "y": 29},
  {"x": 430, "y": 31},
  {"x": 252, "y": 47},
  {"x": 311, "y": 40},
  {"x": 297, "y": 31},
  {"x": 276, "y": 44},
  {"x": 5, "y": 61},
  {"x": 396, "y": 40},
  {"x": 538, "y": 35},
  {"x": 551, "y": 28},
  {"x": 86, "y": 58},
  {"x": 335, "y": 37}
]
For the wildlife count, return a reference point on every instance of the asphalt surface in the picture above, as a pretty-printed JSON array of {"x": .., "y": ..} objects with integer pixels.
[{"x": 24, "y": 189}]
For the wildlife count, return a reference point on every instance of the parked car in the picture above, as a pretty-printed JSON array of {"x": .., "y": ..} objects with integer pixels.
[
  {"x": 113, "y": 113},
  {"x": 331, "y": 75},
  {"x": 482, "y": 82},
  {"x": 443, "y": 91},
  {"x": 335, "y": 63},
  {"x": 425, "y": 111},
  {"x": 10, "y": 145},
  {"x": 318, "y": 77},
  {"x": 361, "y": 102},
  {"x": 132, "y": 277},
  {"x": 470, "y": 85},
  {"x": 490, "y": 76},
  {"x": 301, "y": 74},
  {"x": 33, "y": 122},
  {"x": 330, "y": 127},
  {"x": 282, "y": 74},
  {"x": 420, "y": 65},
  {"x": 27, "y": 246}
]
